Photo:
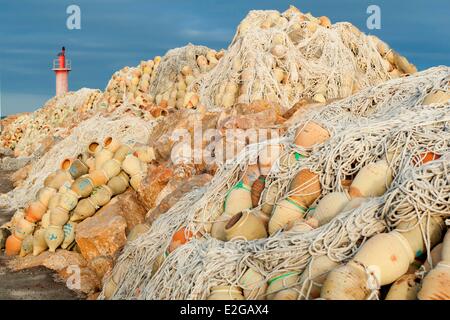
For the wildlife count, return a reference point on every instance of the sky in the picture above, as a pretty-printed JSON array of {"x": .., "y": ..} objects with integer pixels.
[{"x": 118, "y": 33}]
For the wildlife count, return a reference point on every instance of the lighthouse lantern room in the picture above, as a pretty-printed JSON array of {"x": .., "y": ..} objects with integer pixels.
[{"x": 62, "y": 67}]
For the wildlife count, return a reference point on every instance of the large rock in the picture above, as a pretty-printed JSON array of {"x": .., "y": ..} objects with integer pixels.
[
  {"x": 56, "y": 261},
  {"x": 128, "y": 206},
  {"x": 172, "y": 198},
  {"x": 101, "y": 235},
  {"x": 156, "y": 179},
  {"x": 68, "y": 265}
]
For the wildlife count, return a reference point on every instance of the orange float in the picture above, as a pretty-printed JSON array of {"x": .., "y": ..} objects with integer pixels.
[
  {"x": 180, "y": 237},
  {"x": 425, "y": 157},
  {"x": 13, "y": 245}
]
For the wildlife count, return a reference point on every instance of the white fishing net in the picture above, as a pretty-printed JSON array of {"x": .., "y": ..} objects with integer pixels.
[{"x": 381, "y": 120}]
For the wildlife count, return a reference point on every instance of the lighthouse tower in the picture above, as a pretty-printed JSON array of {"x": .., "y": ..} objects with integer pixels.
[{"x": 62, "y": 67}]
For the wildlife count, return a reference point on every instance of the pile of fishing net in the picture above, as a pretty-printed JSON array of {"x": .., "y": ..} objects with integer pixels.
[
  {"x": 25, "y": 133},
  {"x": 161, "y": 84},
  {"x": 377, "y": 178},
  {"x": 283, "y": 57},
  {"x": 117, "y": 124}
]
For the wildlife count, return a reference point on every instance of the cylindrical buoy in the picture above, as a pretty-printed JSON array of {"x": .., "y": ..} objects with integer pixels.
[
  {"x": 305, "y": 187},
  {"x": 436, "y": 284},
  {"x": 111, "y": 168},
  {"x": 83, "y": 186},
  {"x": 35, "y": 211},
  {"x": 54, "y": 236},
  {"x": 372, "y": 180},
  {"x": 330, "y": 206},
  {"x": 78, "y": 168},
  {"x": 253, "y": 284},
  {"x": 39, "y": 243},
  {"x": 314, "y": 276},
  {"x": 83, "y": 210},
  {"x": 98, "y": 177},
  {"x": 388, "y": 254},
  {"x": 122, "y": 152},
  {"x": 348, "y": 282},
  {"x": 285, "y": 213},
  {"x": 414, "y": 236},
  {"x": 69, "y": 234},
  {"x": 246, "y": 226},
  {"x": 439, "y": 96},
  {"x": 93, "y": 147},
  {"x": 102, "y": 156},
  {"x": 405, "y": 288},
  {"x": 119, "y": 183},
  {"x": 13, "y": 245},
  {"x": 111, "y": 144},
  {"x": 135, "y": 180},
  {"x": 23, "y": 228},
  {"x": 257, "y": 189},
  {"x": 132, "y": 165},
  {"x": 225, "y": 293},
  {"x": 68, "y": 200},
  {"x": 280, "y": 283},
  {"x": 27, "y": 246},
  {"x": 238, "y": 199},
  {"x": 145, "y": 153},
  {"x": 101, "y": 195},
  {"x": 57, "y": 179},
  {"x": 44, "y": 195},
  {"x": 58, "y": 216},
  {"x": 310, "y": 134},
  {"x": 65, "y": 164},
  {"x": 269, "y": 196}
]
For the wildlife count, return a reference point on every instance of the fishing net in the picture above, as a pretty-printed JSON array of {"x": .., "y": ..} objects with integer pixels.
[
  {"x": 25, "y": 133},
  {"x": 285, "y": 57},
  {"x": 119, "y": 124},
  {"x": 386, "y": 121}
]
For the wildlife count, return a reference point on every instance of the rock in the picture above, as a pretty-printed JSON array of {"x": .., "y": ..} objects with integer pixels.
[
  {"x": 57, "y": 261},
  {"x": 162, "y": 136},
  {"x": 128, "y": 206},
  {"x": 93, "y": 296},
  {"x": 156, "y": 179},
  {"x": 88, "y": 282},
  {"x": 101, "y": 265},
  {"x": 68, "y": 265},
  {"x": 177, "y": 194},
  {"x": 101, "y": 235}
]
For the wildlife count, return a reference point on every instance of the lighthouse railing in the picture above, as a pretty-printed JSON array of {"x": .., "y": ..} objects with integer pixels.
[{"x": 56, "y": 64}]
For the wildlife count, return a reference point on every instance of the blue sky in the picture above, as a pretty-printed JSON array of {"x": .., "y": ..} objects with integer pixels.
[{"x": 116, "y": 33}]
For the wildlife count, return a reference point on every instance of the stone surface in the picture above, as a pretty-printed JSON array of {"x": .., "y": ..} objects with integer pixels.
[
  {"x": 68, "y": 265},
  {"x": 128, "y": 206},
  {"x": 87, "y": 283},
  {"x": 101, "y": 235},
  {"x": 101, "y": 265},
  {"x": 56, "y": 261},
  {"x": 155, "y": 180},
  {"x": 172, "y": 198}
]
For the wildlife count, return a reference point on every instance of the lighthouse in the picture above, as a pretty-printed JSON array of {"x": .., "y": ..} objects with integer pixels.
[{"x": 62, "y": 67}]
